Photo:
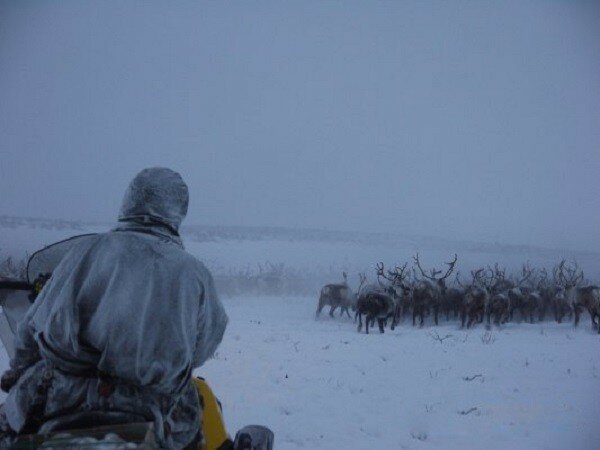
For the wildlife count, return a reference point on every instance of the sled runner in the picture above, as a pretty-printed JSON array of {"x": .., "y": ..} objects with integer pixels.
[{"x": 99, "y": 430}]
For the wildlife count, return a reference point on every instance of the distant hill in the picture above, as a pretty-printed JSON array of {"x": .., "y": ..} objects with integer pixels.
[
  {"x": 208, "y": 233},
  {"x": 292, "y": 260}
]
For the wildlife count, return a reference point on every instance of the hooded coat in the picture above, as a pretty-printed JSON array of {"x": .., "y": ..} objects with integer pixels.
[{"x": 130, "y": 306}]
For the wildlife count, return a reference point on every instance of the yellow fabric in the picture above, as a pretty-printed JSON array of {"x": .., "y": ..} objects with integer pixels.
[{"x": 213, "y": 426}]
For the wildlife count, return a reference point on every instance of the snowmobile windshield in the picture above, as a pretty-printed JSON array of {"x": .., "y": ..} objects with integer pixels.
[
  {"x": 156, "y": 196},
  {"x": 44, "y": 261}
]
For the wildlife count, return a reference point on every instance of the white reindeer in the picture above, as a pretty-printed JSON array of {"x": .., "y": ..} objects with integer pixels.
[{"x": 339, "y": 295}]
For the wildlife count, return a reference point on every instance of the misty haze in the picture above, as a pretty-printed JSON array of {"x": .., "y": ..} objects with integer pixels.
[{"x": 427, "y": 171}]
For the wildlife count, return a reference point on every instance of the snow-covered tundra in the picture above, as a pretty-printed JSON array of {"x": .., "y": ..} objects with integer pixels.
[{"x": 321, "y": 385}]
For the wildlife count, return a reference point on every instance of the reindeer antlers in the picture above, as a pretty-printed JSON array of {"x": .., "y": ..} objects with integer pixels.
[
  {"x": 396, "y": 276},
  {"x": 499, "y": 274},
  {"x": 457, "y": 279},
  {"x": 451, "y": 266},
  {"x": 381, "y": 273},
  {"x": 363, "y": 279},
  {"x": 476, "y": 274},
  {"x": 435, "y": 273},
  {"x": 399, "y": 272},
  {"x": 573, "y": 274},
  {"x": 416, "y": 258},
  {"x": 526, "y": 273}
]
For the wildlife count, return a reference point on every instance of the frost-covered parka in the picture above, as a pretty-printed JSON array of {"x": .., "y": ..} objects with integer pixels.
[{"x": 129, "y": 306}]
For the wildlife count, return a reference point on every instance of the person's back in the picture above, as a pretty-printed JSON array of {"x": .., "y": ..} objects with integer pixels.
[{"x": 123, "y": 321}]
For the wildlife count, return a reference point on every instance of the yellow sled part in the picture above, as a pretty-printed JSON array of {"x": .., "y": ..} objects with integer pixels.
[{"x": 213, "y": 426}]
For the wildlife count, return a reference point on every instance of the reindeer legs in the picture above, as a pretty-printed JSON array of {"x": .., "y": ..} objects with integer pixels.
[{"x": 319, "y": 308}]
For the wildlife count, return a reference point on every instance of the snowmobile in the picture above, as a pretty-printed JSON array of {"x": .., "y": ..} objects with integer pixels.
[{"x": 105, "y": 430}]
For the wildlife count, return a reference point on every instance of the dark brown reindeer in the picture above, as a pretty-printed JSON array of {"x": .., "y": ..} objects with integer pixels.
[
  {"x": 560, "y": 304},
  {"x": 431, "y": 291},
  {"x": 398, "y": 288},
  {"x": 422, "y": 299},
  {"x": 522, "y": 297},
  {"x": 476, "y": 298},
  {"x": 547, "y": 292},
  {"x": 375, "y": 305},
  {"x": 339, "y": 295},
  {"x": 498, "y": 305},
  {"x": 453, "y": 299},
  {"x": 535, "y": 301},
  {"x": 501, "y": 282},
  {"x": 508, "y": 296}
]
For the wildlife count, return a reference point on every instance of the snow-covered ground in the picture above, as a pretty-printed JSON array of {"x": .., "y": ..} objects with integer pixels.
[{"x": 321, "y": 385}]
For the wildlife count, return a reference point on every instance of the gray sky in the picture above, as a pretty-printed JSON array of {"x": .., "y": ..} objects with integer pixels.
[{"x": 473, "y": 120}]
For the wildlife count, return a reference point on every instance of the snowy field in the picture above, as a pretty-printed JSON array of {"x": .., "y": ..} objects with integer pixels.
[{"x": 321, "y": 385}]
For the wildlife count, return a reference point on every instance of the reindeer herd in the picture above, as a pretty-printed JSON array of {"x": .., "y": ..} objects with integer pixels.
[{"x": 490, "y": 294}]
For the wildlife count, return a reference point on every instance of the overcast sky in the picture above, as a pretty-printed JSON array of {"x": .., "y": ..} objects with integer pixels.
[{"x": 473, "y": 120}]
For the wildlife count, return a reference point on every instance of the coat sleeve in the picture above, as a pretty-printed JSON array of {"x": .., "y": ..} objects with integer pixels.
[
  {"x": 212, "y": 321},
  {"x": 26, "y": 349}
]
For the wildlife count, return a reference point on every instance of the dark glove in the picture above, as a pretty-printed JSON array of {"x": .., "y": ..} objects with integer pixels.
[
  {"x": 254, "y": 437},
  {"x": 9, "y": 379}
]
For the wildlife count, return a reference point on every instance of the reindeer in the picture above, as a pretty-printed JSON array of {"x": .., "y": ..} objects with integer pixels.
[
  {"x": 561, "y": 304},
  {"x": 522, "y": 296},
  {"x": 588, "y": 297},
  {"x": 339, "y": 295},
  {"x": 452, "y": 300},
  {"x": 579, "y": 298},
  {"x": 398, "y": 288},
  {"x": 375, "y": 304},
  {"x": 567, "y": 298},
  {"x": 431, "y": 291},
  {"x": 498, "y": 305},
  {"x": 423, "y": 296},
  {"x": 547, "y": 292},
  {"x": 476, "y": 298}
]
